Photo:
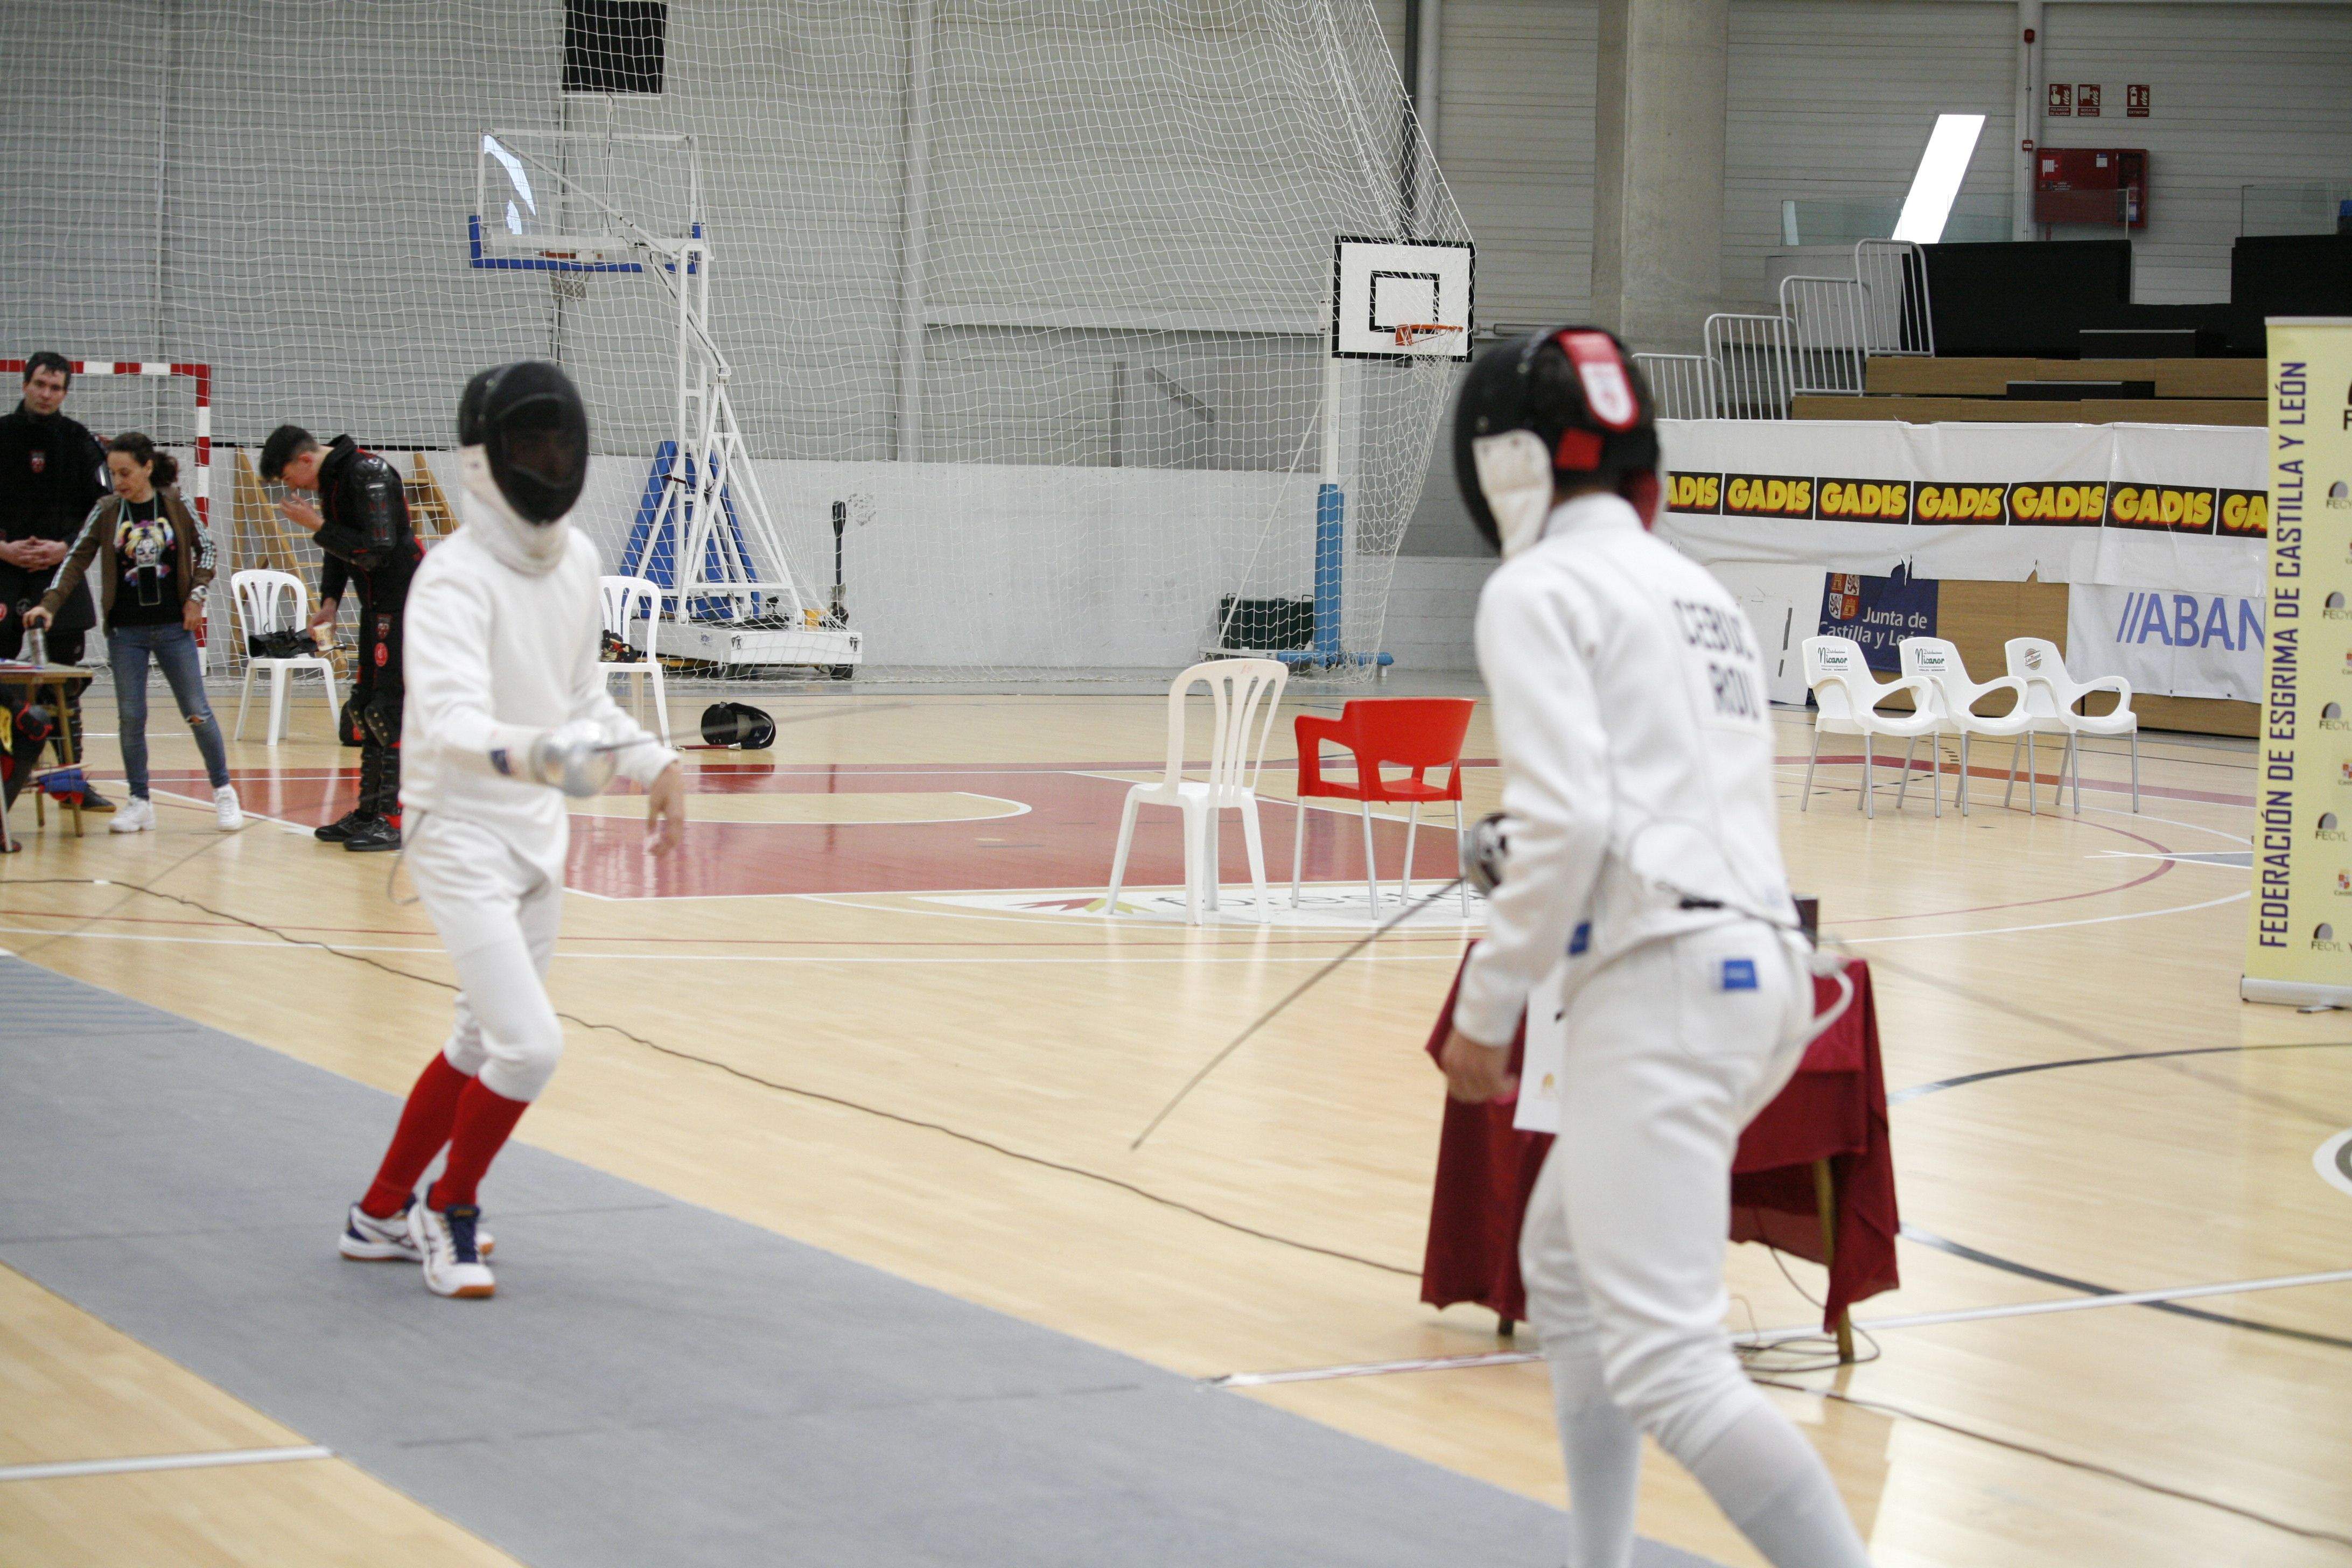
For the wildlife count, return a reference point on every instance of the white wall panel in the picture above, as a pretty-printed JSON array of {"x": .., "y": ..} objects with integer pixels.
[
  {"x": 1834, "y": 99},
  {"x": 1515, "y": 134},
  {"x": 2242, "y": 94}
]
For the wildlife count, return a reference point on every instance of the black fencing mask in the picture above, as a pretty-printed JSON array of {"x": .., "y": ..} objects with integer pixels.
[
  {"x": 532, "y": 429},
  {"x": 738, "y": 725}
]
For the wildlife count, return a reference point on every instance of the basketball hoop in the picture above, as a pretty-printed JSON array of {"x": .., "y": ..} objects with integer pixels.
[{"x": 1424, "y": 335}]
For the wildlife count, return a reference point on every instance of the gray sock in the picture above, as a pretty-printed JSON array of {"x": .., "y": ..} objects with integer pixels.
[
  {"x": 1604, "y": 1478},
  {"x": 1768, "y": 1481}
]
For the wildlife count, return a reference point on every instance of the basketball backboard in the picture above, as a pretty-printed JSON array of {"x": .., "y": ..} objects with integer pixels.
[{"x": 1380, "y": 285}]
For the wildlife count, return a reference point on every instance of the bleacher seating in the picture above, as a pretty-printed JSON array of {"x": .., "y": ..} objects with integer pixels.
[{"x": 1923, "y": 391}]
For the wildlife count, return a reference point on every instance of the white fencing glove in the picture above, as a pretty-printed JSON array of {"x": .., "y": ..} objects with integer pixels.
[
  {"x": 1483, "y": 849},
  {"x": 575, "y": 758}
]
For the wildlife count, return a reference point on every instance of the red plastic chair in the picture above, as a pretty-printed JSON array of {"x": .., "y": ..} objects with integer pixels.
[{"x": 1415, "y": 732}]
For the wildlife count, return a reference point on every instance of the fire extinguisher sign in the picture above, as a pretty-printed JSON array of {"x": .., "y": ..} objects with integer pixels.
[{"x": 2135, "y": 100}]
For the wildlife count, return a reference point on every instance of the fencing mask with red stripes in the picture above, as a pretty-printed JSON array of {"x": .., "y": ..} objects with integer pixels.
[{"x": 1558, "y": 407}]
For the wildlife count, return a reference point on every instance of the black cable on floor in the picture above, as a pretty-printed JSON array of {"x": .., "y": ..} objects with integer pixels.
[
  {"x": 2056, "y": 1458},
  {"x": 972, "y": 1138}
]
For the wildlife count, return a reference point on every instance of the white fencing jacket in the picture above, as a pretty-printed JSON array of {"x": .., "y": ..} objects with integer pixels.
[
  {"x": 495, "y": 653},
  {"x": 1631, "y": 717}
]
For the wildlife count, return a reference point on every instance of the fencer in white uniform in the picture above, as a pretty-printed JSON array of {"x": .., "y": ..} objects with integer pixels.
[
  {"x": 507, "y": 713},
  {"x": 1642, "y": 901}
]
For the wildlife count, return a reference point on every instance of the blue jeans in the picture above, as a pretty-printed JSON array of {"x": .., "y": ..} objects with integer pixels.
[{"x": 174, "y": 647}]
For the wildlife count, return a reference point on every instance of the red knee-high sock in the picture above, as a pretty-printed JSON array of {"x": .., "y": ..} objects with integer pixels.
[
  {"x": 485, "y": 1119},
  {"x": 425, "y": 1124}
]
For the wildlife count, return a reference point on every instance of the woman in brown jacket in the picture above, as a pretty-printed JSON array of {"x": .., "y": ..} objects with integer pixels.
[{"x": 154, "y": 566}]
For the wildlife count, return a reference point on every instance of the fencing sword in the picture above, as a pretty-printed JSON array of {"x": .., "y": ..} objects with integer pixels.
[{"x": 1214, "y": 1063}]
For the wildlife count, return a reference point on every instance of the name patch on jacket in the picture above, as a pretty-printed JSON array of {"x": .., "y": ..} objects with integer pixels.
[
  {"x": 1729, "y": 675},
  {"x": 1739, "y": 975}
]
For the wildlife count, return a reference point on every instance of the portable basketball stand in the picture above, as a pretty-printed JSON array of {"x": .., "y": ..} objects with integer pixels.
[{"x": 704, "y": 534}]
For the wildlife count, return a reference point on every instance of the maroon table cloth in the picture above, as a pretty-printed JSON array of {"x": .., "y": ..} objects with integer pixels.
[{"x": 1834, "y": 1109}]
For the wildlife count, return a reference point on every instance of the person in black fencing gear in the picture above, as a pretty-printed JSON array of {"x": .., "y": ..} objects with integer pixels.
[
  {"x": 1640, "y": 921},
  {"x": 361, "y": 522},
  {"x": 52, "y": 473}
]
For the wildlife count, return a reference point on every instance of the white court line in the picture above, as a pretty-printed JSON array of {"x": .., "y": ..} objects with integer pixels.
[
  {"x": 1770, "y": 1337},
  {"x": 314, "y": 944},
  {"x": 2049, "y": 925},
  {"x": 162, "y": 1462}
]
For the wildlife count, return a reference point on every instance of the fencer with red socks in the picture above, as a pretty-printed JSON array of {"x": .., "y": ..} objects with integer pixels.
[{"x": 507, "y": 714}]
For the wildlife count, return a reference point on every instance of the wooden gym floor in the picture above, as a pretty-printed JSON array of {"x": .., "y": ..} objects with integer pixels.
[{"x": 870, "y": 1008}]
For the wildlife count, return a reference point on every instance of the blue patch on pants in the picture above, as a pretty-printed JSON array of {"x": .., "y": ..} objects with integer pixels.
[
  {"x": 1739, "y": 975},
  {"x": 1581, "y": 940}
]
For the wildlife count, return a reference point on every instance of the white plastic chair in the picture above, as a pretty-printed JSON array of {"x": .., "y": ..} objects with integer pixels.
[
  {"x": 2051, "y": 694},
  {"x": 1847, "y": 697},
  {"x": 620, "y": 598},
  {"x": 1938, "y": 662},
  {"x": 270, "y": 601},
  {"x": 1239, "y": 689}
]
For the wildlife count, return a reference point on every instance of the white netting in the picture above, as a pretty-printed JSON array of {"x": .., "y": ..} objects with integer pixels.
[{"x": 1041, "y": 290}]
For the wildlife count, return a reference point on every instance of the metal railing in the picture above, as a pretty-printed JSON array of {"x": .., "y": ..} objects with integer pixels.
[
  {"x": 1681, "y": 387},
  {"x": 1819, "y": 343},
  {"x": 1752, "y": 365},
  {"x": 1894, "y": 278},
  {"x": 1825, "y": 334}
]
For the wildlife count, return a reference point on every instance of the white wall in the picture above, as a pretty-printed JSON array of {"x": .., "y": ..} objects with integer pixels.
[
  {"x": 2242, "y": 94},
  {"x": 1834, "y": 99},
  {"x": 1022, "y": 566},
  {"x": 1433, "y": 602}
]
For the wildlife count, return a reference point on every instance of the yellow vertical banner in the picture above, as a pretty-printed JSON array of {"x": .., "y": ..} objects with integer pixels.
[{"x": 2299, "y": 929}]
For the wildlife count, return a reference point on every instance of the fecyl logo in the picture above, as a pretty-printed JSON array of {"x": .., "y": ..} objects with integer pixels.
[
  {"x": 2323, "y": 939},
  {"x": 2332, "y": 717},
  {"x": 2327, "y": 828}
]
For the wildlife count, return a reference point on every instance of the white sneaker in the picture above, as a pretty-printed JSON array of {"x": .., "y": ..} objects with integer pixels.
[
  {"x": 136, "y": 814},
  {"x": 225, "y": 811},
  {"x": 445, "y": 1244},
  {"x": 367, "y": 1240}
]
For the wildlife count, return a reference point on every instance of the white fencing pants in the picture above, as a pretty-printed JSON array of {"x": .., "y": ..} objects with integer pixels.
[
  {"x": 1670, "y": 1051},
  {"x": 498, "y": 916}
]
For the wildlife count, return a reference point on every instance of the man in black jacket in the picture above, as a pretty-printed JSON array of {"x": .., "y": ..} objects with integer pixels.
[
  {"x": 52, "y": 471},
  {"x": 362, "y": 522}
]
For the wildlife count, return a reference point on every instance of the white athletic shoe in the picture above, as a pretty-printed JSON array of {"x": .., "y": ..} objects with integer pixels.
[
  {"x": 446, "y": 1245},
  {"x": 225, "y": 811},
  {"x": 367, "y": 1240},
  {"x": 136, "y": 814}
]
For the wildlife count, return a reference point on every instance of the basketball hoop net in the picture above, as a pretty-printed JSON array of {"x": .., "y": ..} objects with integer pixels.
[{"x": 1414, "y": 334}]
